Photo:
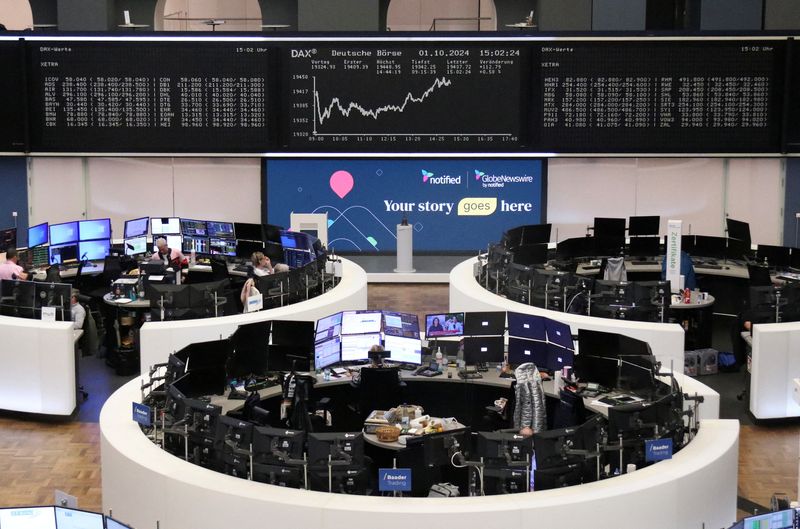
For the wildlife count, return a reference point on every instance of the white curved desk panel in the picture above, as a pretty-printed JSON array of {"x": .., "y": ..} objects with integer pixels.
[
  {"x": 143, "y": 484},
  {"x": 666, "y": 339},
  {"x": 160, "y": 338},
  {"x": 37, "y": 366},
  {"x": 774, "y": 364}
]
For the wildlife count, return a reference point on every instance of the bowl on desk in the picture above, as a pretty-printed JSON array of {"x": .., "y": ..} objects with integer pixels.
[{"x": 387, "y": 434}]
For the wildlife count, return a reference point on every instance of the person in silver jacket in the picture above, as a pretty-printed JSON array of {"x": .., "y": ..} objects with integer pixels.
[{"x": 530, "y": 413}]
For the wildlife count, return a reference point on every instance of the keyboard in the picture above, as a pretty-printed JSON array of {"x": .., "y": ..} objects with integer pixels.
[{"x": 241, "y": 268}]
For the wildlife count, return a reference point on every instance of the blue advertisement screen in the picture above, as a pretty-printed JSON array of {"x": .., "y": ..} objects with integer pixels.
[{"x": 453, "y": 205}]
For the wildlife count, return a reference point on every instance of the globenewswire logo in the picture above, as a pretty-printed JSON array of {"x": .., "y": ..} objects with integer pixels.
[
  {"x": 430, "y": 178},
  {"x": 500, "y": 180}
]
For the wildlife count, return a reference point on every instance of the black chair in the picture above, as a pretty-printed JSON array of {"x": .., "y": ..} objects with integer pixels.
[
  {"x": 759, "y": 275},
  {"x": 112, "y": 270},
  {"x": 219, "y": 269},
  {"x": 380, "y": 389}
]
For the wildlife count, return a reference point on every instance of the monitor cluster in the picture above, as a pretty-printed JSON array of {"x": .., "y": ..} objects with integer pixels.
[
  {"x": 84, "y": 240},
  {"x": 48, "y": 517},
  {"x": 26, "y": 299}
]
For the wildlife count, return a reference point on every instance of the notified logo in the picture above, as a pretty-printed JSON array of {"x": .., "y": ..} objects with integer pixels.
[
  {"x": 500, "y": 180},
  {"x": 430, "y": 178}
]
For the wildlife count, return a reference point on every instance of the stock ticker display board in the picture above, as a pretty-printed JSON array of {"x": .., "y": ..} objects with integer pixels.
[
  {"x": 148, "y": 96},
  {"x": 256, "y": 95}
]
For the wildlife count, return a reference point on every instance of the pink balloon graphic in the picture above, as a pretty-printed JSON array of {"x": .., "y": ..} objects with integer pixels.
[{"x": 341, "y": 183}]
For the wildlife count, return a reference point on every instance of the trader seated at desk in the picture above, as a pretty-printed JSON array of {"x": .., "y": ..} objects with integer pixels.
[
  {"x": 10, "y": 269},
  {"x": 168, "y": 256},
  {"x": 77, "y": 310},
  {"x": 262, "y": 266}
]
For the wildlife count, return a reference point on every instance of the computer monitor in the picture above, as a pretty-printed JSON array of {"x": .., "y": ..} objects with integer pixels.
[
  {"x": 526, "y": 326},
  {"x": 328, "y": 352},
  {"x": 356, "y": 346},
  {"x": 136, "y": 227},
  {"x": 559, "y": 333},
  {"x": 598, "y": 343},
  {"x": 707, "y": 246},
  {"x": 353, "y": 479},
  {"x": 165, "y": 226},
  {"x": 484, "y": 323},
  {"x": 89, "y": 230},
  {"x": 296, "y": 333},
  {"x": 605, "y": 227},
  {"x": 444, "y": 324},
  {"x": 248, "y": 232},
  {"x": 361, "y": 321},
  {"x": 345, "y": 447},
  {"x": 504, "y": 480},
  {"x": 76, "y": 519},
  {"x": 559, "y": 358},
  {"x": 504, "y": 448},
  {"x": 599, "y": 369},
  {"x": 529, "y": 234},
  {"x": 56, "y": 295},
  {"x": 617, "y": 292},
  {"x": 245, "y": 249},
  {"x": 401, "y": 324},
  {"x": 328, "y": 327},
  {"x": 250, "y": 349},
  {"x": 233, "y": 433},
  {"x": 483, "y": 350},
  {"x": 208, "y": 297},
  {"x": 221, "y": 230},
  {"x": 784, "y": 519},
  {"x": 8, "y": 239},
  {"x": 576, "y": 247},
  {"x": 111, "y": 523},
  {"x": 687, "y": 243},
  {"x": 645, "y": 225},
  {"x": 272, "y": 233},
  {"x": 66, "y": 232},
  {"x": 136, "y": 245},
  {"x": 637, "y": 373},
  {"x": 644, "y": 246},
  {"x": 557, "y": 448},
  {"x": 173, "y": 241},
  {"x": 774, "y": 256},
  {"x": 18, "y": 298},
  {"x": 521, "y": 351},
  {"x": 63, "y": 253},
  {"x": 194, "y": 228},
  {"x": 738, "y": 249},
  {"x": 279, "y": 475},
  {"x": 610, "y": 246},
  {"x": 94, "y": 250},
  {"x": 192, "y": 243},
  {"x": 404, "y": 350},
  {"x": 529, "y": 254},
  {"x": 37, "y": 235},
  {"x": 28, "y": 518},
  {"x": 276, "y": 445},
  {"x": 289, "y": 358},
  {"x": 738, "y": 229},
  {"x": 174, "y": 300},
  {"x": 218, "y": 246}
]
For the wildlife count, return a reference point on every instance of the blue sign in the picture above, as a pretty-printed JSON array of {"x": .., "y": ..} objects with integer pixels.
[
  {"x": 141, "y": 414},
  {"x": 453, "y": 205},
  {"x": 394, "y": 479},
  {"x": 657, "y": 449}
]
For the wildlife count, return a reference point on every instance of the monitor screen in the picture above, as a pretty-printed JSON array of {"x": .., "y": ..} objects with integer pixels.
[
  {"x": 576, "y": 247},
  {"x": 644, "y": 246},
  {"x": 400, "y": 324},
  {"x": 329, "y": 327},
  {"x": 246, "y": 249},
  {"x": 62, "y": 253},
  {"x": 165, "y": 225},
  {"x": 648, "y": 225},
  {"x": 272, "y": 233},
  {"x": 484, "y": 323},
  {"x": 64, "y": 233},
  {"x": 136, "y": 245},
  {"x": 217, "y": 246},
  {"x": 194, "y": 228},
  {"x": 248, "y": 232},
  {"x": 738, "y": 229},
  {"x": 37, "y": 235},
  {"x": 526, "y": 326},
  {"x": 771, "y": 520},
  {"x": 327, "y": 353},
  {"x": 707, "y": 246},
  {"x": 361, "y": 321},
  {"x": 75, "y": 519},
  {"x": 558, "y": 357},
  {"x": 8, "y": 239},
  {"x": 773, "y": 256},
  {"x": 28, "y": 518},
  {"x": 173, "y": 241},
  {"x": 89, "y": 230},
  {"x": 193, "y": 243},
  {"x": 559, "y": 334},
  {"x": 609, "y": 227},
  {"x": 111, "y": 523},
  {"x": 222, "y": 230},
  {"x": 94, "y": 250},
  {"x": 297, "y": 333},
  {"x": 483, "y": 349},
  {"x": 357, "y": 346},
  {"x": 136, "y": 227},
  {"x": 405, "y": 350},
  {"x": 444, "y": 324},
  {"x": 522, "y": 351}
]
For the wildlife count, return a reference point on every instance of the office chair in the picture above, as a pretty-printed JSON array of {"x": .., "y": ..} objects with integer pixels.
[
  {"x": 380, "y": 389},
  {"x": 759, "y": 275},
  {"x": 53, "y": 275},
  {"x": 112, "y": 270},
  {"x": 303, "y": 414},
  {"x": 219, "y": 269}
]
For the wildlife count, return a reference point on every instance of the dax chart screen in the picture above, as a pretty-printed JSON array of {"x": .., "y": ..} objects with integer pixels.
[
  {"x": 395, "y": 96},
  {"x": 453, "y": 205}
]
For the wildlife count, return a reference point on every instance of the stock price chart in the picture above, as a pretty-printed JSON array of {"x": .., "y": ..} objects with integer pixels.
[
  {"x": 658, "y": 97},
  {"x": 148, "y": 97},
  {"x": 395, "y": 97}
]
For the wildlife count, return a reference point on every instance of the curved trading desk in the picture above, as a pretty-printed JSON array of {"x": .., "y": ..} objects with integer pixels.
[
  {"x": 666, "y": 339},
  {"x": 160, "y": 338},
  {"x": 146, "y": 485}
]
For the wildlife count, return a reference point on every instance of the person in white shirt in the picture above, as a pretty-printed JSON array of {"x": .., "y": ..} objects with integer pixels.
[
  {"x": 10, "y": 269},
  {"x": 262, "y": 266},
  {"x": 77, "y": 310}
]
